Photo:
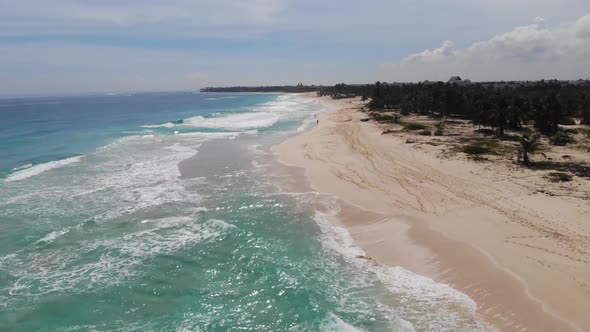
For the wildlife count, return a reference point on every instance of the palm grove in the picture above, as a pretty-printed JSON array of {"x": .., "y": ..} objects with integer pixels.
[{"x": 541, "y": 106}]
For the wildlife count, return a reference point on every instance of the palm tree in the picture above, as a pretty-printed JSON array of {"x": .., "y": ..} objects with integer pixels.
[
  {"x": 516, "y": 112},
  {"x": 377, "y": 100},
  {"x": 529, "y": 143},
  {"x": 548, "y": 114},
  {"x": 500, "y": 113}
]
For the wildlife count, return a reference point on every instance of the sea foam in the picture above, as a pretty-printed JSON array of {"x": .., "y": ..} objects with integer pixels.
[
  {"x": 235, "y": 121},
  {"x": 261, "y": 116},
  {"x": 61, "y": 270},
  {"x": 334, "y": 323},
  {"x": 164, "y": 125},
  {"x": 38, "y": 169},
  {"x": 447, "y": 309},
  {"x": 22, "y": 167}
]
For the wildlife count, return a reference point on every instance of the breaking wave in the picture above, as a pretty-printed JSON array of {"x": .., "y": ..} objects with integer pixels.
[{"x": 38, "y": 169}]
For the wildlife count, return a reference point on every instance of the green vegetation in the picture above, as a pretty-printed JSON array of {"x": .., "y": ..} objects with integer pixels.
[
  {"x": 415, "y": 126},
  {"x": 476, "y": 149},
  {"x": 498, "y": 105},
  {"x": 394, "y": 118},
  {"x": 529, "y": 144},
  {"x": 482, "y": 146},
  {"x": 561, "y": 138},
  {"x": 299, "y": 88},
  {"x": 425, "y": 133},
  {"x": 567, "y": 121},
  {"x": 559, "y": 177},
  {"x": 440, "y": 128}
]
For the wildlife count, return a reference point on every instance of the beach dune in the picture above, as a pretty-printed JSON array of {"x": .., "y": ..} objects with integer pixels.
[{"x": 522, "y": 256}]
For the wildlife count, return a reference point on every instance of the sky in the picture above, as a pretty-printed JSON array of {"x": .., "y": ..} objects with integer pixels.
[{"x": 76, "y": 46}]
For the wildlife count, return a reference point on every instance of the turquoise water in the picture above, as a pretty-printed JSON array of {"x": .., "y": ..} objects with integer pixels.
[{"x": 156, "y": 213}]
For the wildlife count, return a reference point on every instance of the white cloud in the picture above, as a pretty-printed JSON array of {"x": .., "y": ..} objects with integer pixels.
[
  {"x": 140, "y": 16},
  {"x": 439, "y": 54},
  {"x": 582, "y": 28},
  {"x": 306, "y": 41},
  {"x": 528, "y": 52}
]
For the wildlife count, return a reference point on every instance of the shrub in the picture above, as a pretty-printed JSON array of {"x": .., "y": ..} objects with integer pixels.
[
  {"x": 476, "y": 149},
  {"x": 482, "y": 146},
  {"x": 425, "y": 133},
  {"x": 415, "y": 126},
  {"x": 559, "y": 177},
  {"x": 571, "y": 131},
  {"x": 567, "y": 122},
  {"x": 385, "y": 118},
  {"x": 440, "y": 128},
  {"x": 510, "y": 138},
  {"x": 561, "y": 138}
]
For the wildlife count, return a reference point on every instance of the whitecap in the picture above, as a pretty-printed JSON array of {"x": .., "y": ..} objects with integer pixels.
[
  {"x": 219, "y": 224},
  {"x": 43, "y": 272},
  {"x": 22, "y": 167},
  {"x": 333, "y": 323},
  {"x": 261, "y": 116},
  {"x": 38, "y": 169},
  {"x": 163, "y": 125},
  {"x": 211, "y": 135},
  {"x": 49, "y": 238},
  {"x": 235, "y": 121}
]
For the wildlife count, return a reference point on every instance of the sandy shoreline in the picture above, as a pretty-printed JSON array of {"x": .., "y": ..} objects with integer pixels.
[{"x": 522, "y": 256}]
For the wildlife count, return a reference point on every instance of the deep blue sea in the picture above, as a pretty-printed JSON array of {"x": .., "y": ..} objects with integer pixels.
[{"x": 157, "y": 212}]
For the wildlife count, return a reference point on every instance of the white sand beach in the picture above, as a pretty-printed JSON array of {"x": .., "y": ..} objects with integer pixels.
[{"x": 523, "y": 256}]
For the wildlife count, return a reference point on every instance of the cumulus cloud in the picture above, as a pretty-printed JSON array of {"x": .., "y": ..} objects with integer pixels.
[
  {"x": 527, "y": 52},
  {"x": 446, "y": 51}
]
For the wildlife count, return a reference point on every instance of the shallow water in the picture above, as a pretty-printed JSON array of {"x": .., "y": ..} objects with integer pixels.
[{"x": 161, "y": 219}]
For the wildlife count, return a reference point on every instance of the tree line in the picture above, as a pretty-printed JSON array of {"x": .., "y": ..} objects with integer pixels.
[
  {"x": 499, "y": 105},
  {"x": 299, "y": 88}
]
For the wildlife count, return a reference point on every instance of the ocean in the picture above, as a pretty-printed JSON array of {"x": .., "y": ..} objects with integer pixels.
[{"x": 157, "y": 212}]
